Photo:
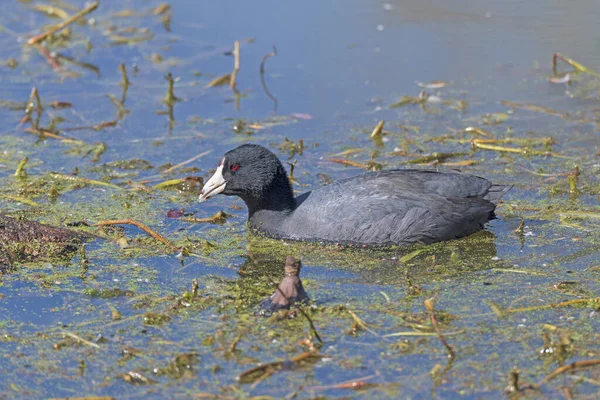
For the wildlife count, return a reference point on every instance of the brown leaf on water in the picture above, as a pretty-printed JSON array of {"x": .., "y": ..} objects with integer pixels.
[
  {"x": 471, "y": 129},
  {"x": 161, "y": 9},
  {"x": 406, "y": 100},
  {"x": 347, "y": 152},
  {"x": 432, "y": 85},
  {"x": 60, "y": 104},
  {"x": 115, "y": 314},
  {"x": 220, "y": 81},
  {"x": 429, "y": 303},
  {"x": 499, "y": 311},
  {"x": 124, "y": 14},
  {"x": 378, "y": 129},
  {"x": 119, "y": 39},
  {"x": 403, "y": 153},
  {"x": 536, "y": 108},
  {"x": 463, "y": 163}
]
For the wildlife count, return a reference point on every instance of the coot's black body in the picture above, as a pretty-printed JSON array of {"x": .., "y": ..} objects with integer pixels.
[{"x": 393, "y": 207}]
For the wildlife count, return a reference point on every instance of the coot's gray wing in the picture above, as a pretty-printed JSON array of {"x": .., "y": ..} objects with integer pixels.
[
  {"x": 447, "y": 184},
  {"x": 398, "y": 206}
]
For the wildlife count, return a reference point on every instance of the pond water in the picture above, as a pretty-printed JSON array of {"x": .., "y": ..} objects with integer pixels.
[{"x": 522, "y": 295}]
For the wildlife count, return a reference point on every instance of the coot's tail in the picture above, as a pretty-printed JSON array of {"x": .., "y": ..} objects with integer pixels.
[{"x": 496, "y": 192}]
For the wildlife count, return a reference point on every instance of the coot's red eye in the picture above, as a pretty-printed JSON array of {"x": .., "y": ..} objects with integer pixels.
[{"x": 234, "y": 167}]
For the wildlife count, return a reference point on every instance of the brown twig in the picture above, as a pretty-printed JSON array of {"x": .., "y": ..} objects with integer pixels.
[
  {"x": 90, "y": 67},
  {"x": 362, "y": 324},
  {"x": 429, "y": 305},
  {"x": 81, "y": 180},
  {"x": 479, "y": 131},
  {"x": 266, "y": 57},
  {"x": 124, "y": 78},
  {"x": 270, "y": 368},
  {"x": 292, "y": 168},
  {"x": 121, "y": 110},
  {"x": 233, "y": 345},
  {"x": 184, "y": 163},
  {"x": 45, "y": 133},
  {"x": 555, "y": 305},
  {"x": 170, "y": 97},
  {"x": 483, "y": 144},
  {"x": 139, "y": 225},
  {"x": 20, "y": 171},
  {"x": 65, "y": 23},
  {"x": 566, "y": 368},
  {"x": 34, "y": 100},
  {"x": 513, "y": 382},
  {"x": 520, "y": 228},
  {"x": 48, "y": 56},
  {"x": 535, "y": 108},
  {"x": 97, "y": 127},
  {"x": 351, "y": 384},
  {"x": 567, "y": 393},
  {"x": 236, "y": 63},
  {"x": 81, "y": 340},
  {"x": 532, "y": 107},
  {"x": 348, "y": 162},
  {"x": 578, "y": 67}
]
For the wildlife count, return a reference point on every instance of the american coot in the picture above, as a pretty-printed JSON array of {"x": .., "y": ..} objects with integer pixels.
[{"x": 379, "y": 208}]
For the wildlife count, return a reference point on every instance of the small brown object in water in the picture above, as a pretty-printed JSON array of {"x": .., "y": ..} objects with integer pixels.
[{"x": 289, "y": 292}]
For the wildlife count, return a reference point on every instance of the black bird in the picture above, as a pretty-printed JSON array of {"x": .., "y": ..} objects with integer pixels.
[{"x": 393, "y": 207}]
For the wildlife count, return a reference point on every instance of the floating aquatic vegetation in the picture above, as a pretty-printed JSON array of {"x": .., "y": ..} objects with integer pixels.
[
  {"x": 218, "y": 218},
  {"x": 220, "y": 81}
]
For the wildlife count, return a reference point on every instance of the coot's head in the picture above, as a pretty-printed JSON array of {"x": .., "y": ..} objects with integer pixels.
[{"x": 254, "y": 174}]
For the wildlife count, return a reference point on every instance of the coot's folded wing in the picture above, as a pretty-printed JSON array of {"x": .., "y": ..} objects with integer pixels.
[{"x": 403, "y": 206}]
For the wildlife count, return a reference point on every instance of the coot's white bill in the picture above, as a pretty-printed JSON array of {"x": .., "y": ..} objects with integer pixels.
[{"x": 215, "y": 185}]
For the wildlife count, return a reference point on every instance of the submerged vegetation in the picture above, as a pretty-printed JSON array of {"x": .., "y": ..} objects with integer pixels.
[{"x": 113, "y": 113}]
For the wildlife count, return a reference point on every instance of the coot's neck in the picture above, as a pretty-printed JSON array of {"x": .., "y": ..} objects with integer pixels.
[{"x": 276, "y": 196}]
